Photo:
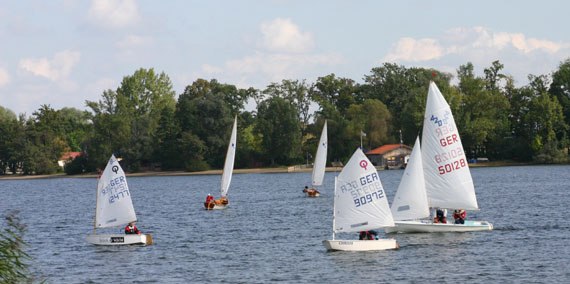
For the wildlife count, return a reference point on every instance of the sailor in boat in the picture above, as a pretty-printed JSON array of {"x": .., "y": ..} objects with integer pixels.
[
  {"x": 221, "y": 201},
  {"x": 459, "y": 215},
  {"x": 440, "y": 216},
  {"x": 131, "y": 228},
  {"x": 209, "y": 199},
  {"x": 310, "y": 191},
  {"x": 368, "y": 235}
]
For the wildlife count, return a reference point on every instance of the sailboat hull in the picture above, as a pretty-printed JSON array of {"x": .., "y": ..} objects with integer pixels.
[
  {"x": 430, "y": 227},
  {"x": 217, "y": 205},
  {"x": 120, "y": 239},
  {"x": 360, "y": 245},
  {"x": 313, "y": 193}
]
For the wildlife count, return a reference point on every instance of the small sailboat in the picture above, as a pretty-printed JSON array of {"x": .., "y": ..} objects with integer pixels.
[
  {"x": 115, "y": 208},
  {"x": 319, "y": 166},
  {"x": 223, "y": 201},
  {"x": 446, "y": 176},
  {"x": 360, "y": 205}
]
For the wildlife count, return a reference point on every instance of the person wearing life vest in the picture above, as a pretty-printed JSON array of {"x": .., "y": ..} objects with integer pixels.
[
  {"x": 459, "y": 215},
  {"x": 132, "y": 229},
  {"x": 368, "y": 235},
  {"x": 209, "y": 198},
  {"x": 440, "y": 216}
]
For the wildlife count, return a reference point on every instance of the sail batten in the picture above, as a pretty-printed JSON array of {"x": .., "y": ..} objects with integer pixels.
[{"x": 448, "y": 180}]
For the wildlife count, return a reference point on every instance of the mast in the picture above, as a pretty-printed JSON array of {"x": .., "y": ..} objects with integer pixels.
[
  {"x": 96, "y": 204},
  {"x": 334, "y": 207}
]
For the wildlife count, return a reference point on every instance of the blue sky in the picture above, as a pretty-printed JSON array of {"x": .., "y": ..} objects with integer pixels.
[{"x": 64, "y": 52}]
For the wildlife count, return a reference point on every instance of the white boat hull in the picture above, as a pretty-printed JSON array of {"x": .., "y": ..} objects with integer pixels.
[
  {"x": 120, "y": 239},
  {"x": 430, "y": 227},
  {"x": 360, "y": 245}
]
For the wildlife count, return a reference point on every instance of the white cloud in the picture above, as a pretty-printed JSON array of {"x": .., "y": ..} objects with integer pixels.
[
  {"x": 211, "y": 69},
  {"x": 261, "y": 69},
  {"x": 521, "y": 55},
  {"x": 56, "y": 69},
  {"x": 132, "y": 41},
  {"x": 282, "y": 35},
  {"x": 285, "y": 54},
  {"x": 482, "y": 38},
  {"x": 409, "y": 49},
  {"x": 113, "y": 13},
  {"x": 4, "y": 77},
  {"x": 464, "y": 41}
]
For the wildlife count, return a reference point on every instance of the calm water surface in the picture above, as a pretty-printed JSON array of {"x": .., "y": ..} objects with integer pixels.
[{"x": 272, "y": 232}]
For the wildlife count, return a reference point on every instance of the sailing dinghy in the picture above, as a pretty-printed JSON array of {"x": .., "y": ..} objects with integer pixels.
[
  {"x": 359, "y": 205},
  {"x": 223, "y": 202},
  {"x": 319, "y": 166},
  {"x": 115, "y": 208},
  {"x": 447, "y": 179}
]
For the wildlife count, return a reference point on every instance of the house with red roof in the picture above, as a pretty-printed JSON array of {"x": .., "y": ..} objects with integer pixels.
[
  {"x": 390, "y": 156},
  {"x": 67, "y": 157}
]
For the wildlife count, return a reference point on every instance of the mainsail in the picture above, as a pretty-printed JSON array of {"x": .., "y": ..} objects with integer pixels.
[
  {"x": 410, "y": 201},
  {"x": 360, "y": 200},
  {"x": 447, "y": 177},
  {"x": 114, "y": 204},
  {"x": 321, "y": 158},
  {"x": 229, "y": 163}
]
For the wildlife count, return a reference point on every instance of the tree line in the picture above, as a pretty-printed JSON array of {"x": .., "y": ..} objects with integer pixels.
[{"x": 144, "y": 123}]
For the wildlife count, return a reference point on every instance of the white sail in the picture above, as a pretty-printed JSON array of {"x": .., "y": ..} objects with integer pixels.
[
  {"x": 114, "y": 204},
  {"x": 411, "y": 202},
  {"x": 360, "y": 200},
  {"x": 229, "y": 163},
  {"x": 321, "y": 158},
  {"x": 447, "y": 177}
]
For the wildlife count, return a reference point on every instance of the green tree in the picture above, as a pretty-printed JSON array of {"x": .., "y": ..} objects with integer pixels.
[
  {"x": 373, "y": 118},
  {"x": 204, "y": 114},
  {"x": 397, "y": 86},
  {"x": 12, "y": 137},
  {"x": 337, "y": 93},
  {"x": 485, "y": 108},
  {"x": 130, "y": 116},
  {"x": 278, "y": 125},
  {"x": 297, "y": 93},
  {"x": 545, "y": 123}
]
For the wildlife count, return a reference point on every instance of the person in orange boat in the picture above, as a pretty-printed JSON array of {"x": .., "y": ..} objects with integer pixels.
[
  {"x": 209, "y": 198},
  {"x": 309, "y": 191},
  {"x": 222, "y": 201}
]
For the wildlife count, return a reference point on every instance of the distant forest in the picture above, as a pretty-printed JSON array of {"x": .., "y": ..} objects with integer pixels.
[{"x": 143, "y": 123}]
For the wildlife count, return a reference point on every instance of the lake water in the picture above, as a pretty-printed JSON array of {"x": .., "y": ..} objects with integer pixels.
[{"x": 272, "y": 232}]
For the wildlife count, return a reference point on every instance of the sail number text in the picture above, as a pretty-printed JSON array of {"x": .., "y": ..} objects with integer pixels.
[
  {"x": 364, "y": 190},
  {"x": 115, "y": 189},
  {"x": 449, "y": 155},
  {"x": 455, "y": 165}
]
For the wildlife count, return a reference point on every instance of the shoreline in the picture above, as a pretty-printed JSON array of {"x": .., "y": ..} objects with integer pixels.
[{"x": 293, "y": 169}]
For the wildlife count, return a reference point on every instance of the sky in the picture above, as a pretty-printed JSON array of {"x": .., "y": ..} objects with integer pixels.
[{"x": 64, "y": 52}]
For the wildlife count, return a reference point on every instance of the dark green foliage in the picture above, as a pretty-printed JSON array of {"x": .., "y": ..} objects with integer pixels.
[
  {"x": 79, "y": 165},
  {"x": 280, "y": 132},
  {"x": 14, "y": 261},
  {"x": 142, "y": 123}
]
